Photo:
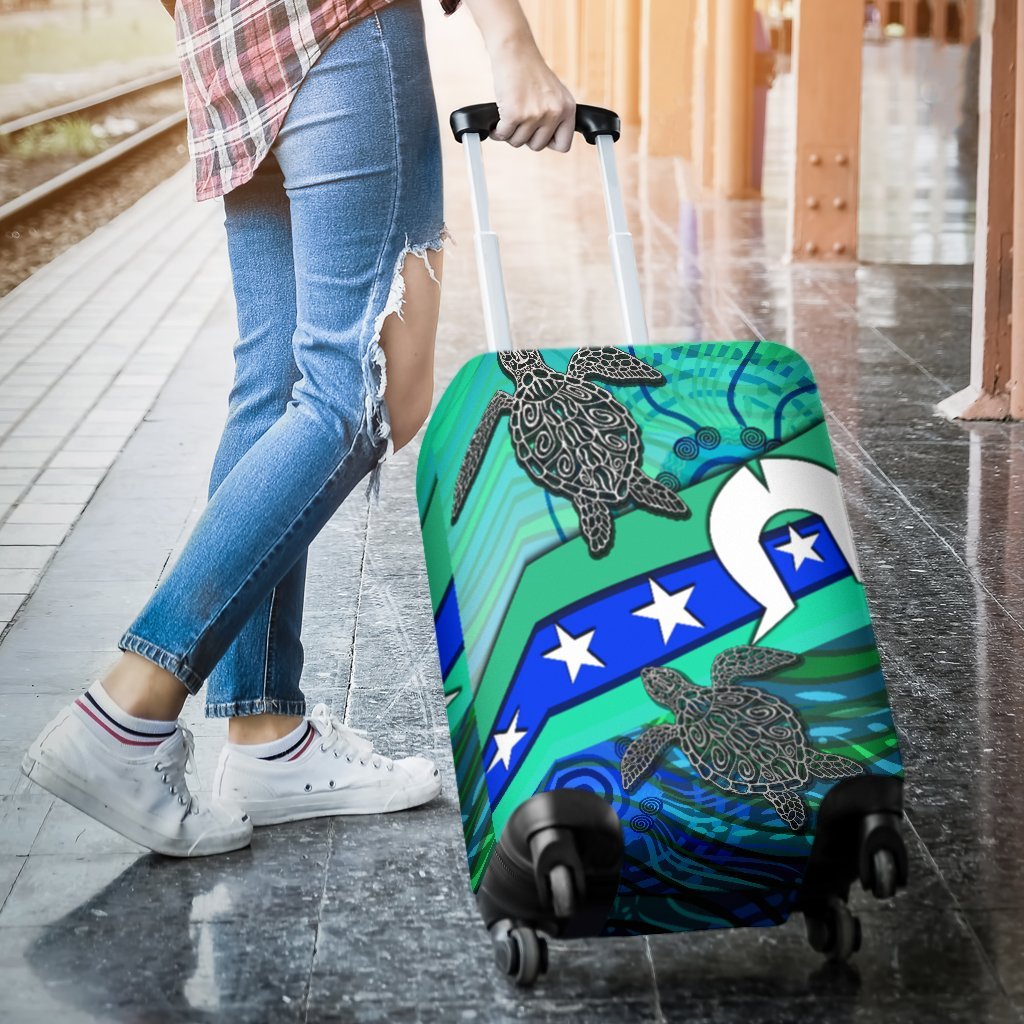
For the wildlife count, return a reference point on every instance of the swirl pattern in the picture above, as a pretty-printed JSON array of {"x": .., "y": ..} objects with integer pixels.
[
  {"x": 686, "y": 448},
  {"x": 708, "y": 437},
  {"x": 753, "y": 438}
]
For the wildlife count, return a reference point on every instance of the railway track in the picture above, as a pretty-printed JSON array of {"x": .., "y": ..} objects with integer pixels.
[{"x": 90, "y": 106}]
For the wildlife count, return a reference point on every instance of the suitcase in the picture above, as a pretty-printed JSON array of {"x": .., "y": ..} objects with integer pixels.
[{"x": 665, "y": 699}]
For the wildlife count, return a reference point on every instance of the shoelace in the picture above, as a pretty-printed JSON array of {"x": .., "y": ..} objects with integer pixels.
[
  {"x": 176, "y": 764},
  {"x": 353, "y": 743}
]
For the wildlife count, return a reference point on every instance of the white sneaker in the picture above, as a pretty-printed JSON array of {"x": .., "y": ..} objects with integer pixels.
[
  {"x": 144, "y": 798},
  {"x": 337, "y": 771}
]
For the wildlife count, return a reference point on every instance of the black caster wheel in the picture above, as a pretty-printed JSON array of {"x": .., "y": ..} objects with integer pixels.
[
  {"x": 521, "y": 955},
  {"x": 834, "y": 931},
  {"x": 563, "y": 892},
  {"x": 884, "y": 874},
  {"x": 532, "y": 950}
]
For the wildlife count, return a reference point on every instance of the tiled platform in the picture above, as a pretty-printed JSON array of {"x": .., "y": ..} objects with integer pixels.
[{"x": 372, "y": 920}]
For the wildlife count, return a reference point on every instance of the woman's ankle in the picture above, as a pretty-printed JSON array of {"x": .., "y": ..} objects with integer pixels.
[
  {"x": 251, "y": 729},
  {"x": 143, "y": 689}
]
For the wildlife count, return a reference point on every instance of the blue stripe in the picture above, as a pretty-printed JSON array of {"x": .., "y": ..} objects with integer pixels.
[
  {"x": 449, "y": 630},
  {"x": 554, "y": 518},
  {"x": 625, "y": 642},
  {"x": 782, "y": 405},
  {"x": 735, "y": 380}
]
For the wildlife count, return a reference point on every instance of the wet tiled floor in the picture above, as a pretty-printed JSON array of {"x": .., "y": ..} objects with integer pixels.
[{"x": 372, "y": 919}]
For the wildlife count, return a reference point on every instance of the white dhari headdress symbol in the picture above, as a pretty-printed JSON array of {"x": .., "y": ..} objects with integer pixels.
[{"x": 743, "y": 507}]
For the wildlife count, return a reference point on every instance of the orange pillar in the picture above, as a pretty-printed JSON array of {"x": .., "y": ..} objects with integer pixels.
[
  {"x": 969, "y": 21},
  {"x": 996, "y": 347},
  {"x": 594, "y": 58},
  {"x": 570, "y": 55},
  {"x": 827, "y": 74},
  {"x": 626, "y": 29},
  {"x": 734, "y": 98},
  {"x": 940, "y": 20},
  {"x": 703, "y": 78},
  {"x": 558, "y": 34},
  {"x": 1017, "y": 301},
  {"x": 665, "y": 97},
  {"x": 540, "y": 16}
]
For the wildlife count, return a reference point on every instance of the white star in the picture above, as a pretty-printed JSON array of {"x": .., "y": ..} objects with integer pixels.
[
  {"x": 801, "y": 548},
  {"x": 506, "y": 741},
  {"x": 669, "y": 610},
  {"x": 574, "y": 651}
]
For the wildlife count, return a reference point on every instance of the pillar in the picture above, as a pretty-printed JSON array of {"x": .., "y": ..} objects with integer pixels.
[
  {"x": 734, "y": 99},
  {"x": 1017, "y": 297},
  {"x": 540, "y": 18},
  {"x": 995, "y": 343},
  {"x": 827, "y": 75},
  {"x": 595, "y": 62},
  {"x": 558, "y": 35},
  {"x": 703, "y": 85},
  {"x": 665, "y": 82},
  {"x": 626, "y": 29},
  {"x": 969, "y": 21},
  {"x": 568, "y": 65}
]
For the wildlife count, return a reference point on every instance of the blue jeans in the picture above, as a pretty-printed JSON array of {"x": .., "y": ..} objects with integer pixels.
[{"x": 316, "y": 239}]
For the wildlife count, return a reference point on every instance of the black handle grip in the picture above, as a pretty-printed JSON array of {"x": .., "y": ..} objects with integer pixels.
[{"x": 482, "y": 119}]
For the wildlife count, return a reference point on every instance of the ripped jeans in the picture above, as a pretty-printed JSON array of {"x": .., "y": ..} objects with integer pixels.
[{"x": 317, "y": 240}]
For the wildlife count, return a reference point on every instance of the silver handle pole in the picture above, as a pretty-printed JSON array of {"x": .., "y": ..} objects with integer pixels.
[
  {"x": 488, "y": 252},
  {"x": 620, "y": 245}
]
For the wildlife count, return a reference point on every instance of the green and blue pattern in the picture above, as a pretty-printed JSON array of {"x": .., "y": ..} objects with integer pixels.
[{"x": 541, "y": 643}]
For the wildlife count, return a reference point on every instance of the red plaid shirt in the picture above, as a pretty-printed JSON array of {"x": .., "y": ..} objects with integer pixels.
[{"x": 242, "y": 61}]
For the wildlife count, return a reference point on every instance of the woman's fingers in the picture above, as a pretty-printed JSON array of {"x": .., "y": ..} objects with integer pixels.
[
  {"x": 552, "y": 128},
  {"x": 562, "y": 139},
  {"x": 542, "y": 137},
  {"x": 515, "y": 132}
]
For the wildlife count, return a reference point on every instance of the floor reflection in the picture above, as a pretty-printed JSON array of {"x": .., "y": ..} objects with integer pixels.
[{"x": 168, "y": 941}]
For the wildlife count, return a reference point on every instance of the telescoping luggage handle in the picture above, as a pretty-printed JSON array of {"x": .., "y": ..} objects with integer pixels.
[{"x": 600, "y": 128}]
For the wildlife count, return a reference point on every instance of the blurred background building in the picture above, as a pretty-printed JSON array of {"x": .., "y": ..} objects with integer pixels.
[{"x": 888, "y": 126}]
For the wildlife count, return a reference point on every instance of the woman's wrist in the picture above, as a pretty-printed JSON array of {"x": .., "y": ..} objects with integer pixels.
[
  {"x": 503, "y": 26},
  {"x": 517, "y": 44}
]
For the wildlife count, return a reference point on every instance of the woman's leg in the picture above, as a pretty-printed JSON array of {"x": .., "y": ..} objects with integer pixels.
[
  {"x": 361, "y": 160},
  {"x": 262, "y": 667}
]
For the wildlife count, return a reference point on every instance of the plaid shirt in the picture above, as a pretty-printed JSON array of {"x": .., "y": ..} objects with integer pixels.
[{"x": 242, "y": 62}]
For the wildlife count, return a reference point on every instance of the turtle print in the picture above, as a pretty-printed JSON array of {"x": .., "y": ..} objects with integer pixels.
[
  {"x": 736, "y": 736},
  {"x": 574, "y": 439}
]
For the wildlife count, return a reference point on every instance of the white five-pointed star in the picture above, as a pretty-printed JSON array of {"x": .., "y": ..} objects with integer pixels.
[
  {"x": 669, "y": 610},
  {"x": 574, "y": 651},
  {"x": 506, "y": 741},
  {"x": 801, "y": 548}
]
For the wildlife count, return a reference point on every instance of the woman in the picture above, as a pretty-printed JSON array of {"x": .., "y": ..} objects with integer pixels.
[{"x": 315, "y": 120}]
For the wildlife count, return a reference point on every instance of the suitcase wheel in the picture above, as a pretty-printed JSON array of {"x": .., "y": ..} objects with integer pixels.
[
  {"x": 882, "y": 862},
  {"x": 833, "y": 930},
  {"x": 563, "y": 892},
  {"x": 520, "y": 953},
  {"x": 884, "y": 875}
]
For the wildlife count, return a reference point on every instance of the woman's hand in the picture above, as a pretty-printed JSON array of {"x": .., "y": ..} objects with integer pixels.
[{"x": 536, "y": 108}]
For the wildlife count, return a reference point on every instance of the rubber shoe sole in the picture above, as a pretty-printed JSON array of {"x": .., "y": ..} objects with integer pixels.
[
  {"x": 325, "y": 805},
  {"x": 67, "y": 790}
]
